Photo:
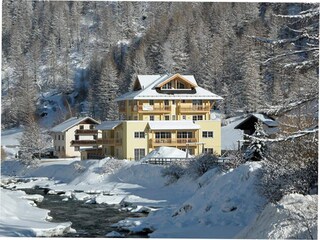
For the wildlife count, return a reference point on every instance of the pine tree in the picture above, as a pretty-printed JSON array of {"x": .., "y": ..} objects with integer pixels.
[{"x": 33, "y": 143}]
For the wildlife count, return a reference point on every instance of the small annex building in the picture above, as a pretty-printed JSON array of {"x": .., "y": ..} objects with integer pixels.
[
  {"x": 270, "y": 126},
  {"x": 74, "y": 135}
]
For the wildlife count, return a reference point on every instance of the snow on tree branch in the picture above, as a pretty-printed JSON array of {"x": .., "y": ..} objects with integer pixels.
[
  {"x": 304, "y": 14},
  {"x": 286, "y": 138}
]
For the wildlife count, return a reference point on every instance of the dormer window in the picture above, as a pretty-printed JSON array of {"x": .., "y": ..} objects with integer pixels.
[
  {"x": 167, "y": 86},
  {"x": 180, "y": 85}
]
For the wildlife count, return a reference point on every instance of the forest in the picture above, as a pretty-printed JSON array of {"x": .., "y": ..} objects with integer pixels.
[{"x": 257, "y": 56}]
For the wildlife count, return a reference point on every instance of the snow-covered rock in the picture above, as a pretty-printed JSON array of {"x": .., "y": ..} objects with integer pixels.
[{"x": 20, "y": 219}]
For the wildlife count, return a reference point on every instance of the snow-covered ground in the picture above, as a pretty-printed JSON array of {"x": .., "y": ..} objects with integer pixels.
[
  {"x": 19, "y": 218},
  {"x": 215, "y": 205}
]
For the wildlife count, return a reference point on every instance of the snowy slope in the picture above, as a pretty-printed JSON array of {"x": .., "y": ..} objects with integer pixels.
[
  {"x": 294, "y": 217},
  {"x": 221, "y": 206}
]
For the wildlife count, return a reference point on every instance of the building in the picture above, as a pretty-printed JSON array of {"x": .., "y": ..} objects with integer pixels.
[
  {"x": 74, "y": 135},
  {"x": 270, "y": 126},
  {"x": 163, "y": 110}
]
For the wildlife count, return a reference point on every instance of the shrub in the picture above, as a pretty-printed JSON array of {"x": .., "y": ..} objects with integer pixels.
[
  {"x": 173, "y": 172},
  {"x": 200, "y": 165}
]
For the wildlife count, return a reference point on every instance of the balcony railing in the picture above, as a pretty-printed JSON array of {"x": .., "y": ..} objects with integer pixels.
[
  {"x": 109, "y": 141},
  {"x": 172, "y": 141},
  {"x": 86, "y": 131},
  {"x": 151, "y": 108},
  {"x": 195, "y": 108},
  {"x": 83, "y": 142}
]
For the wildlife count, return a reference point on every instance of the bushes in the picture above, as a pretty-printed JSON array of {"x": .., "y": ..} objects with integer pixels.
[
  {"x": 202, "y": 164},
  {"x": 195, "y": 168}
]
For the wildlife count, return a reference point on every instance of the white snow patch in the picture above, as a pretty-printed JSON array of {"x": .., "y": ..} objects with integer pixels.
[
  {"x": 20, "y": 219},
  {"x": 294, "y": 217},
  {"x": 165, "y": 152}
]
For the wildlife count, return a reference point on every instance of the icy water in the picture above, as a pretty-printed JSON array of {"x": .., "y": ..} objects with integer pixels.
[{"x": 89, "y": 220}]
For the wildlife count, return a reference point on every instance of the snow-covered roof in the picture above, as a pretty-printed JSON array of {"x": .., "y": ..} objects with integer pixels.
[
  {"x": 148, "y": 89},
  {"x": 71, "y": 122},
  {"x": 108, "y": 125},
  {"x": 266, "y": 120},
  {"x": 172, "y": 125},
  {"x": 263, "y": 118}
]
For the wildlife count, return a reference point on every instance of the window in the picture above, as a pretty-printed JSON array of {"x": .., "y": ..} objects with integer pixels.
[
  {"x": 95, "y": 137},
  {"x": 166, "y": 117},
  {"x": 139, "y": 135},
  {"x": 184, "y": 117},
  {"x": 173, "y": 117},
  {"x": 180, "y": 85},
  {"x": 151, "y": 118},
  {"x": 59, "y": 148},
  {"x": 184, "y": 135},
  {"x": 62, "y": 148},
  {"x": 207, "y": 134},
  {"x": 58, "y": 137},
  {"x": 76, "y": 137},
  {"x": 151, "y": 102},
  {"x": 208, "y": 150},
  {"x": 139, "y": 153},
  {"x": 62, "y": 137},
  {"x": 173, "y": 102},
  {"x": 81, "y": 127},
  {"x": 160, "y": 135},
  {"x": 166, "y": 102},
  {"x": 135, "y": 117},
  {"x": 197, "y": 117},
  {"x": 167, "y": 86},
  {"x": 91, "y": 126}
]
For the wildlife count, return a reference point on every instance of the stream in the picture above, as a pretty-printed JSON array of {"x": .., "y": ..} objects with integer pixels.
[{"x": 89, "y": 220}]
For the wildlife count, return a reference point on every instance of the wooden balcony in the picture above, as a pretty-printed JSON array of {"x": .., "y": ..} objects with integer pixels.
[
  {"x": 151, "y": 109},
  {"x": 109, "y": 141},
  {"x": 83, "y": 143},
  {"x": 195, "y": 108},
  {"x": 86, "y": 131},
  {"x": 171, "y": 142}
]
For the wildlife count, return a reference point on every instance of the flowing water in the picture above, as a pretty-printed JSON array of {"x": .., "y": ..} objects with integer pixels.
[{"x": 89, "y": 220}]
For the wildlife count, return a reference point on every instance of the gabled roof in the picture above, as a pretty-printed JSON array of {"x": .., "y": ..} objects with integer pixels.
[
  {"x": 173, "y": 125},
  {"x": 71, "y": 122},
  {"x": 257, "y": 116},
  {"x": 108, "y": 125},
  {"x": 148, "y": 89},
  {"x": 177, "y": 76}
]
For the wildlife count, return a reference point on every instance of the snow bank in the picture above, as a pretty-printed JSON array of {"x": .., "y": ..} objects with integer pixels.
[
  {"x": 165, "y": 152},
  {"x": 294, "y": 217},
  {"x": 20, "y": 219},
  {"x": 221, "y": 206}
]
